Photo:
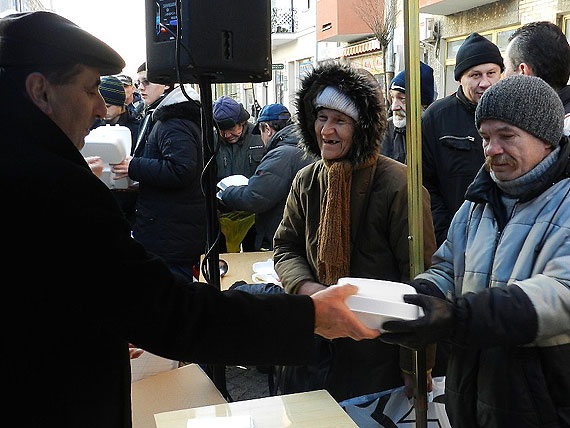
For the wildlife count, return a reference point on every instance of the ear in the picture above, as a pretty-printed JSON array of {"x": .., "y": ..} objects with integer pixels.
[
  {"x": 37, "y": 89},
  {"x": 525, "y": 69}
]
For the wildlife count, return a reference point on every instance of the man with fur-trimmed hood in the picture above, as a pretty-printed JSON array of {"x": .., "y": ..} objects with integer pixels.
[{"x": 346, "y": 216}]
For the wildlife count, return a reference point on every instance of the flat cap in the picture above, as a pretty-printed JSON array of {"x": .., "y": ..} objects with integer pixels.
[{"x": 44, "y": 38}]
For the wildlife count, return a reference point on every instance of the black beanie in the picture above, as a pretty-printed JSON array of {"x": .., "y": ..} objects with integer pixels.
[
  {"x": 476, "y": 50},
  {"x": 526, "y": 102}
]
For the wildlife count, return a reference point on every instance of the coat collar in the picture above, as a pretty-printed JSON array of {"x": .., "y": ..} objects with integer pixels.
[
  {"x": 20, "y": 119},
  {"x": 484, "y": 190}
]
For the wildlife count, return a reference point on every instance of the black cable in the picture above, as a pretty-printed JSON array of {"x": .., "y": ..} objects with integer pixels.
[{"x": 178, "y": 45}]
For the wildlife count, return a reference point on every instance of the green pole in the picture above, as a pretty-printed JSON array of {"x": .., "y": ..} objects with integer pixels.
[{"x": 414, "y": 162}]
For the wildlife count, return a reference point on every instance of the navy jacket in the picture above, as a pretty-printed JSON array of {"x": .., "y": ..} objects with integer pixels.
[
  {"x": 267, "y": 189},
  {"x": 171, "y": 212}
]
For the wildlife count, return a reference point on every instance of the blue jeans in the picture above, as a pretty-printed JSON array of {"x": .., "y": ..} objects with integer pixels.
[{"x": 260, "y": 288}]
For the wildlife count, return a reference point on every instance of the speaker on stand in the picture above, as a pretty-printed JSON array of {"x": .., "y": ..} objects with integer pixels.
[{"x": 207, "y": 42}]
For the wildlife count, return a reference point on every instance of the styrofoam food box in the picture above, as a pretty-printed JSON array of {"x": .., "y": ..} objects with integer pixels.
[{"x": 378, "y": 301}]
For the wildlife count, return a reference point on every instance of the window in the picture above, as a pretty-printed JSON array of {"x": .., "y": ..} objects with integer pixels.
[
  {"x": 500, "y": 37},
  {"x": 565, "y": 21}
]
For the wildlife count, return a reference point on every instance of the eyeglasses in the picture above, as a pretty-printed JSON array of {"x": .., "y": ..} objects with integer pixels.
[{"x": 143, "y": 82}]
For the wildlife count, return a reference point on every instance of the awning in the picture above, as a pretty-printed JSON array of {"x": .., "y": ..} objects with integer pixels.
[{"x": 361, "y": 48}]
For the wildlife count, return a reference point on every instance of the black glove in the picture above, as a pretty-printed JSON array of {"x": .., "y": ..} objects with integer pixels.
[{"x": 438, "y": 323}]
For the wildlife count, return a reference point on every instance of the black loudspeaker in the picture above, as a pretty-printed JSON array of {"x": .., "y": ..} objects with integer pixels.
[{"x": 224, "y": 41}]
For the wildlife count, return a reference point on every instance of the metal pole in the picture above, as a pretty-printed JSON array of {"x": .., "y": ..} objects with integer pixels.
[
  {"x": 212, "y": 257},
  {"x": 414, "y": 162}
]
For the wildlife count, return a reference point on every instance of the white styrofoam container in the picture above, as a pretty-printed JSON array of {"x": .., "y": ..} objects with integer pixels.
[
  {"x": 112, "y": 144},
  {"x": 378, "y": 301}
]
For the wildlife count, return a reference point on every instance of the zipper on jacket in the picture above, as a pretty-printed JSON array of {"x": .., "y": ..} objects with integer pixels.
[
  {"x": 497, "y": 239},
  {"x": 453, "y": 137}
]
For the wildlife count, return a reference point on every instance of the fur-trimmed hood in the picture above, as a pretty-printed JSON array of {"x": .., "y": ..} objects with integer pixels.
[
  {"x": 367, "y": 96},
  {"x": 176, "y": 105}
]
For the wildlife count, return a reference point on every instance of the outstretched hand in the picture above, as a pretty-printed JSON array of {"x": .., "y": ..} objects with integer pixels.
[
  {"x": 334, "y": 319},
  {"x": 437, "y": 324}
]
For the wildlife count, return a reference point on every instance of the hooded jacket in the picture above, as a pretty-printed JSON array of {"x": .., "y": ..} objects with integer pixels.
[
  {"x": 378, "y": 233},
  {"x": 267, "y": 189},
  {"x": 512, "y": 273},
  {"x": 171, "y": 211}
]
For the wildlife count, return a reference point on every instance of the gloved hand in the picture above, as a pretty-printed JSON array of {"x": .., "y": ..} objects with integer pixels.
[{"x": 438, "y": 323}]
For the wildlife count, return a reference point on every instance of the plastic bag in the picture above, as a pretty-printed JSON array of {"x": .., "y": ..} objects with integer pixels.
[
  {"x": 235, "y": 225},
  {"x": 393, "y": 409}
]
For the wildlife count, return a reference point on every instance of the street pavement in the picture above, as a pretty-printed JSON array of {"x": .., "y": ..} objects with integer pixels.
[{"x": 246, "y": 383}]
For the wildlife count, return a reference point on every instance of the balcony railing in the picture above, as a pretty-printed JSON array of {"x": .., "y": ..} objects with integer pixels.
[{"x": 284, "y": 20}]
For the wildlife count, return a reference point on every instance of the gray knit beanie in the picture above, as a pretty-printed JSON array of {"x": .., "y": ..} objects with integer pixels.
[{"x": 526, "y": 102}]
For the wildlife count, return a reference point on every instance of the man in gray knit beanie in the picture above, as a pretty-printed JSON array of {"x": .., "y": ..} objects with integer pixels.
[
  {"x": 536, "y": 114},
  {"x": 499, "y": 287}
]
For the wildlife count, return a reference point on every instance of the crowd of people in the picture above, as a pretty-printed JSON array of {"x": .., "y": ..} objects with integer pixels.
[{"x": 327, "y": 185}]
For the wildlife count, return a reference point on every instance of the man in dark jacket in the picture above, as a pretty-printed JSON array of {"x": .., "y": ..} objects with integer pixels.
[
  {"x": 171, "y": 211},
  {"x": 267, "y": 189},
  {"x": 451, "y": 145},
  {"x": 499, "y": 287},
  {"x": 84, "y": 289},
  {"x": 239, "y": 150},
  {"x": 394, "y": 143},
  {"x": 541, "y": 49}
]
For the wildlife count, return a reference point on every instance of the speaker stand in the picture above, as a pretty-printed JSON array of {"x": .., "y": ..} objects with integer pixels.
[{"x": 212, "y": 256}]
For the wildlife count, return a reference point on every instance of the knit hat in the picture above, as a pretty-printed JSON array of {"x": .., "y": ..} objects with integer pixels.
[
  {"x": 112, "y": 91},
  {"x": 125, "y": 80},
  {"x": 332, "y": 98},
  {"x": 476, "y": 50},
  {"x": 526, "y": 102},
  {"x": 228, "y": 113},
  {"x": 398, "y": 83},
  {"x": 39, "y": 38}
]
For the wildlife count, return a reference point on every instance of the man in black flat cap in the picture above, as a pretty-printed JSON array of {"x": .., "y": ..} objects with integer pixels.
[
  {"x": 82, "y": 288},
  {"x": 451, "y": 145}
]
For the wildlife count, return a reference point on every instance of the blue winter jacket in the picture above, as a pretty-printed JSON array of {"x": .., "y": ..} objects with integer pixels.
[
  {"x": 510, "y": 276},
  {"x": 267, "y": 189}
]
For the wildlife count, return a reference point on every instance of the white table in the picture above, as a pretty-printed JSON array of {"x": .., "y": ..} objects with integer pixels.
[{"x": 315, "y": 409}]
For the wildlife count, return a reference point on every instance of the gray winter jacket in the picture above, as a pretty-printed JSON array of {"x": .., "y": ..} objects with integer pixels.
[
  {"x": 510, "y": 363},
  {"x": 240, "y": 158},
  {"x": 267, "y": 189}
]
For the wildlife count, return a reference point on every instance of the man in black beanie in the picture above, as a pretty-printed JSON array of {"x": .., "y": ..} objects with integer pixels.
[
  {"x": 499, "y": 288},
  {"x": 83, "y": 288},
  {"x": 451, "y": 145}
]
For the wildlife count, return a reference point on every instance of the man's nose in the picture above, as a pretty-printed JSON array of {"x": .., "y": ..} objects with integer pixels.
[
  {"x": 484, "y": 82},
  {"x": 100, "y": 108},
  {"x": 397, "y": 105},
  {"x": 493, "y": 148}
]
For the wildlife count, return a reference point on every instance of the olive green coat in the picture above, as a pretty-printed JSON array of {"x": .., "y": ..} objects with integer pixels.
[{"x": 379, "y": 250}]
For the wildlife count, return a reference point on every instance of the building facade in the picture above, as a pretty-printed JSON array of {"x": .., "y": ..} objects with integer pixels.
[{"x": 308, "y": 32}]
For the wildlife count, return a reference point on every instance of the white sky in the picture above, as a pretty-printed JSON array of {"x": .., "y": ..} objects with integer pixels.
[{"x": 119, "y": 23}]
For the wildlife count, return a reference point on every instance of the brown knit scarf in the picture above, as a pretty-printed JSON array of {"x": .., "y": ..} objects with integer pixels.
[{"x": 333, "y": 247}]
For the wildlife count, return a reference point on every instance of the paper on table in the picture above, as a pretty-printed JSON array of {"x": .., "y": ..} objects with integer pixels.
[
  {"x": 264, "y": 272},
  {"x": 221, "y": 422},
  {"x": 233, "y": 180}
]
